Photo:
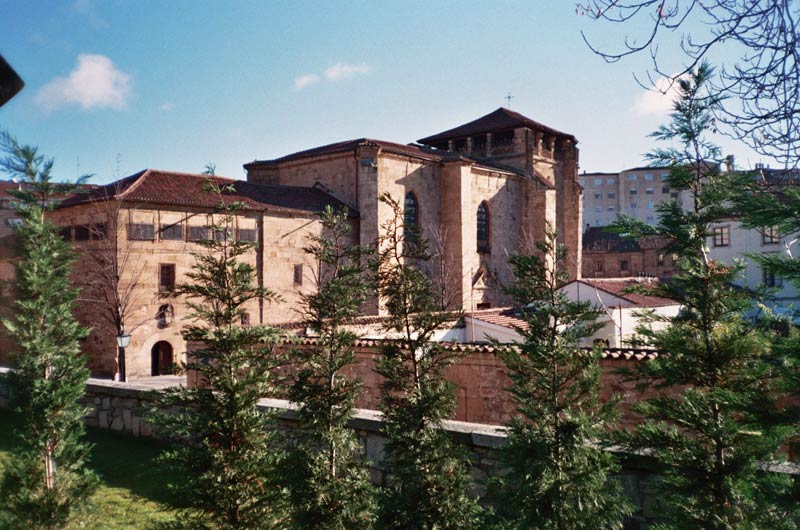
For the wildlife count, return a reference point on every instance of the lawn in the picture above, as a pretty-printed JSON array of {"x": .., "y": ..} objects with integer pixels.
[{"x": 133, "y": 490}]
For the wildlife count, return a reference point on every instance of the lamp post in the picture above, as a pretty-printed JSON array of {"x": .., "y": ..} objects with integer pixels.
[{"x": 122, "y": 342}]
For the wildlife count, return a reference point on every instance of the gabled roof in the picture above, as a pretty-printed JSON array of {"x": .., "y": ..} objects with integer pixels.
[
  {"x": 597, "y": 239},
  {"x": 186, "y": 189},
  {"x": 505, "y": 317},
  {"x": 352, "y": 145},
  {"x": 417, "y": 151},
  {"x": 499, "y": 120},
  {"x": 618, "y": 287}
]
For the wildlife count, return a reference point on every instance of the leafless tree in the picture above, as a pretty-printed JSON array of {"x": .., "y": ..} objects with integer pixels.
[
  {"x": 758, "y": 60},
  {"x": 115, "y": 270},
  {"x": 443, "y": 271}
]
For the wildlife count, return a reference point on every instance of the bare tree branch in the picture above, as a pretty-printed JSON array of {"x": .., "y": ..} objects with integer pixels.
[{"x": 760, "y": 85}]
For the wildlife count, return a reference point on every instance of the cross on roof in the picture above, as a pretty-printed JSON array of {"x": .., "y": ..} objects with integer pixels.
[{"x": 508, "y": 98}]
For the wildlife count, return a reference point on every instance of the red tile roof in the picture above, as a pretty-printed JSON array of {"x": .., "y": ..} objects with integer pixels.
[
  {"x": 501, "y": 119},
  {"x": 186, "y": 189},
  {"x": 416, "y": 151},
  {"x": 618, "y": 287},
  {"x": 505, "y": 317}
]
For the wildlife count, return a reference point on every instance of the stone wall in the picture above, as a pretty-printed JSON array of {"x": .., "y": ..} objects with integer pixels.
[{"x": 118, "y": 407}]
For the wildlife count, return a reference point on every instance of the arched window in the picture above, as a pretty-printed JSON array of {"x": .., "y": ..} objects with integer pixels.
[
  {"x": 483, "y": 227},
  {"x": 411, "y": 216}
]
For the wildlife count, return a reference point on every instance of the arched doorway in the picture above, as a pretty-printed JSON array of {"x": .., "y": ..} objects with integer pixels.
[{"x": 161, "y": 358}]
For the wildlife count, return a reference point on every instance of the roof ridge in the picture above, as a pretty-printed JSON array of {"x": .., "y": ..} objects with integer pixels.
[{"x": 136, "y": 183}]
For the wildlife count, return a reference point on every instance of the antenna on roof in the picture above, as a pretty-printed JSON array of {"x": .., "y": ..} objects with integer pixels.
[{"x": 508, "y": 99}]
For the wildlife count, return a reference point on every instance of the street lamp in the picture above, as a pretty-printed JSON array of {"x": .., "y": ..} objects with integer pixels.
[{"x": 122, "y": 342}]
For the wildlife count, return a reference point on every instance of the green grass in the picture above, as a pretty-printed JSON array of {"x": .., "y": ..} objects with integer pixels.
[{"x": 133, "y": 492}]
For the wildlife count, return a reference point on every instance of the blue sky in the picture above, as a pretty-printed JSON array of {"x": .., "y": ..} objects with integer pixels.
[{"x": 117, "y": 86}]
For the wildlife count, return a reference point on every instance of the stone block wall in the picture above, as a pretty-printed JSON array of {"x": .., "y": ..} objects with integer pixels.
[{"x": 118, "y": 407}]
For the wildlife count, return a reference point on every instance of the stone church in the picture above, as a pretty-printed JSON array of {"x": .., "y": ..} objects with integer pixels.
[
  {"x": 481, "y": 191},
  {"x": 478, "y": 192}
]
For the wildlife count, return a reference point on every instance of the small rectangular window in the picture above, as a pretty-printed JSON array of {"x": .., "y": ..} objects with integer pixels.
[
  {"x": 247, "y": 234},
  {"x": 198, "y": 233},
  {"x": 633, "y": 192},
  {"x": 648, "y": 176},
  {"x": 649, "y": 191},
  {"x": 722, "y": 236},
  {"x": 141, "y": 232},
  {"x": 81, "y": 232},
  {"x": 610, "y": 181},
  {"x": 611, "y": 195},
  {"x": 166, "y": 277},
  {"x": 245, "y": 319},
  {"x": 623, "y": 265},
  {"x": 598, "y": 209},
  {"x": 598, "y": 266},
  {"x": 650, "y": 220},
  {"x": 598, "y": 182},
  {"x": 100, "y": 231},
  {"x": 598, "y": 195},
  {"x": 651, "y": 205},
  {"x": 665, "y": 189},
  {"x": 673, "y": 195},
  {"x": 298, "y": 274},
  {"x": 771, "y": 279},
  {"x": 664, "y": 176},
  {"x": 770, "y": 236},
  {"x": 172, "y": 231},
  {"x": 661, "y": 259},
  {"x": 610, "y": 208},
  {"x": 222, "y": 234},
  {"x": 65, "y": 233},
  {"x": 633, "y": 205}
]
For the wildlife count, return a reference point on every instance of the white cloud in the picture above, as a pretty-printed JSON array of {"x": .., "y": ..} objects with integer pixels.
[
  {"x": 657, "y": 101},
  {"x": 168, "y": 106},
  {"x": 95, "y": 83},
  {"x": 341, "y": 71},
  {"x": 337, "y": 72},
  {"x": 305, "y": 80}
]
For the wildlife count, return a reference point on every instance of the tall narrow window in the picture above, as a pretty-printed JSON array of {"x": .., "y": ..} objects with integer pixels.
[
  {"x": 166, "y": 277},
  {"x": 411, "y": 216},
  {"x": 298, "y": 274},
  {"x": 483, "y": 227}
]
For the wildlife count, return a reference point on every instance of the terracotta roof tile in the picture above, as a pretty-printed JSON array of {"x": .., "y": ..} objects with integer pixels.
[
  {"x": 505, "y": 317},
  {"x": 352, "y": 145},
  {"x": 618, "y": 287},
  {"x": 500, "y": 119},
  {"x": 185, "y": 189}
]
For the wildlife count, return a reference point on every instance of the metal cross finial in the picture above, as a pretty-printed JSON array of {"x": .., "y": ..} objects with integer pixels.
[{"x": 508, "y": 98}]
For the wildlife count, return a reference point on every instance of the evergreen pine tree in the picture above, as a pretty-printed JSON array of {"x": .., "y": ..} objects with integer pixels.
[
  {"x": 224, "y": 450},
  {"x": 428, "y": 488},
  {"x": 329, "y": 481},
  {"x": 556, "y": 473},
  {"x": 714, "y": 423},
  {"x": 46, "y": 481}
]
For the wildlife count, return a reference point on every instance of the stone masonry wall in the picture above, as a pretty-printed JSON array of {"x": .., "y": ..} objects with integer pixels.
[{"x": 118, "y": 407}]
